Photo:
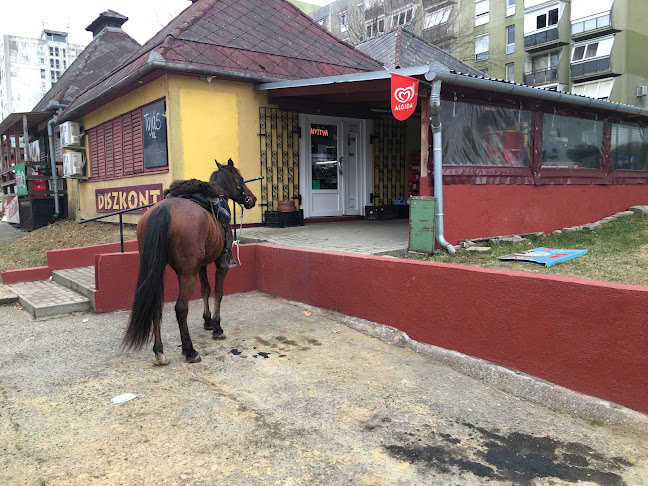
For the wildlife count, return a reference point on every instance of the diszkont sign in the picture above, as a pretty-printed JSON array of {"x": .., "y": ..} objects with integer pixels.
[{"x": 113, "y": 199}]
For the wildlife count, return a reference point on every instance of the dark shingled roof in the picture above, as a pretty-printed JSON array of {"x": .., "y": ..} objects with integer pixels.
[
  {"x": 106, "y": 51},
  {"x": 401, "y": 49},
  {"x": 250, "y": 40}
]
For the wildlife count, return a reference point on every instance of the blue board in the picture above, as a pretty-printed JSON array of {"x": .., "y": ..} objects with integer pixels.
[{"x": 544, "y": 256}]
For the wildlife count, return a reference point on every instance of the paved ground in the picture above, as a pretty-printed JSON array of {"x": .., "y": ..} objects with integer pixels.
[
  {"x": 371, "y": 237},
  {"x": 7, "y": 231},
  {"x": 288, "y": 398}
]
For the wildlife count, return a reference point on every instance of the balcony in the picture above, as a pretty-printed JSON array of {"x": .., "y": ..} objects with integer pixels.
[
  {"x": 541, "y": 40},
  {"x": 536, "y": 78},
  {"x": 591, "y": 69},
  {"x": 593, "y": 26}
]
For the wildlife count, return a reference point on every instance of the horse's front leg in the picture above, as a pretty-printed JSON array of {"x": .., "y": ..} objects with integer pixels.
[
  {"x": 221, "y": 273},
  {"x": 187, "y": 283},
  {"x": 205, "y": 290}
]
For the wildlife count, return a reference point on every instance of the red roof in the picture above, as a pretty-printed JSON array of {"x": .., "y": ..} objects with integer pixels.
[{"x": 250, "y": 40}]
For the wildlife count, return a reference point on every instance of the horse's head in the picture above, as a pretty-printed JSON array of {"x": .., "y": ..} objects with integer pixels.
[{"x": 230, "y": 180}]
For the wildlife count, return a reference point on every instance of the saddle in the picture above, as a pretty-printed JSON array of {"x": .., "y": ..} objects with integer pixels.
[{"x": 205, "y": 195}]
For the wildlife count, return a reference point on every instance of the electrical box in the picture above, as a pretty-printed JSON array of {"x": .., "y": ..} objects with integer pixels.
[
  {"x": 642, "y": 91},
  {"x": 422, "y": 224},
  {"x": 73, "y": 164},
  {"x": 70, "y": 134}
]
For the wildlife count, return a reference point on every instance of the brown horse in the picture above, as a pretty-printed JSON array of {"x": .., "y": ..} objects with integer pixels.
[{"x": 181, "y": 233}]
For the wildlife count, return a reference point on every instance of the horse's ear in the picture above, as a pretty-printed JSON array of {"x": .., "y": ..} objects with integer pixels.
[
  {"x": 217, "y": 164},
  {"x": 230, "y": 162}
]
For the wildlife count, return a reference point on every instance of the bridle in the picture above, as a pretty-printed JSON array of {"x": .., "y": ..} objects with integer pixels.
[{"x": 246, "y": 195}]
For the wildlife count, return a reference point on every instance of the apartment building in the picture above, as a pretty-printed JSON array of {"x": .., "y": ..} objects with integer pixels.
[
  {"x": 586, "y": 47},
  {"x": 29, "y": 67}
]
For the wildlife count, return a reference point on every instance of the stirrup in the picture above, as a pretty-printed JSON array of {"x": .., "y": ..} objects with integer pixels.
[{"x": 227, "y": 260}]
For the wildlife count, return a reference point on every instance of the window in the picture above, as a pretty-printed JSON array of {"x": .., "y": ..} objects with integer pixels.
[
  {"x": 376, "y": 27},
  {"x": 437, "y": 17},
  {"x": 510, "y": 71},
  {"x": 481, "y": 12},
  {"x": 52, "y": 63},
  {"x": 485, "y": 135},
  {"x": 481, "y": 47},
  {"x": 51, "y": 51},
  {"x": 117, "y": 147},
  {"x": 58, "y": 64},
  {"x": 629, "y": 148},
  {"x": 63, "y": 52},
  {"x": 344, "y": 21},
  {"x": 547, "y": 19},
  {"x": 64, "y": 65},
  {"x": 597, "y": 21},
  {"x": 596, "y": 89},
  {"x": 510, "y": 7},
  {"x": 593, "y": 49},
  {"x": 510, "y": 39},
  {"x": 545, "y": 61},
  {"x": 56, "y": 51},
  {"x": 571, "y": 143},
  {"x": 42, "y": 60},
  {"x": 42, "y": 74},
  {"x": 403, "y": 17}
]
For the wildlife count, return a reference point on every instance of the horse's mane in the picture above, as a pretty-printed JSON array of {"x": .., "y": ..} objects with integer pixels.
[{"x": 214, "y": 188}]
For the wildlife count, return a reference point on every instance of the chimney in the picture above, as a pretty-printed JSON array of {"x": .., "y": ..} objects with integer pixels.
[{"x": 109, "y": 18}]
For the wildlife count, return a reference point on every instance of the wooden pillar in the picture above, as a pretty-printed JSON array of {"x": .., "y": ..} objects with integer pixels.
[
  {"x": 26, "y": 138},
  {"x": 424, "y": 184}
]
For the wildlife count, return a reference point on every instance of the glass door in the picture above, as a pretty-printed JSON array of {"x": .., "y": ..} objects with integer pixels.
[{"x": 326, "y": 180}]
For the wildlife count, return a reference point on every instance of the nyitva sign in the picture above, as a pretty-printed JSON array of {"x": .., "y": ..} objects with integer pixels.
[
  {"x": 404, "y": 92},
  {"x": 114, "y": 199}
]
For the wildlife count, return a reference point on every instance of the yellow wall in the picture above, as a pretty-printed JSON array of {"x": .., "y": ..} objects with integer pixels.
[{"x": 205, "y": 121}]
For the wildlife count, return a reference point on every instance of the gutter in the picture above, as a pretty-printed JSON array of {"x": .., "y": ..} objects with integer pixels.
[
  {"x": 435, "y": 123},
  {"x": 156, "y": 61},
  {"x": 54, "y": 106}
]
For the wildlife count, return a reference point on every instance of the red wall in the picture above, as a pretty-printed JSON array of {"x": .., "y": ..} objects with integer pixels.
[
  {"x": 584, "y": 335},
  {"x": 116, "y": 276},
  {"x": 474, "y": 211}
]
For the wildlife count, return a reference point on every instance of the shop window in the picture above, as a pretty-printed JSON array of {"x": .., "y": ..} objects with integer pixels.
[
  {"x": 571, "y": 143},
  {"x": 117, "y": 147},
  {"x": 485, "y": 135},
  {"x": 629, "y": 148}
]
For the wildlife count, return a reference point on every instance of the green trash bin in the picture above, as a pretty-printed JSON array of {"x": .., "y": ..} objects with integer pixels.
[{"x": 421, "y": 224}]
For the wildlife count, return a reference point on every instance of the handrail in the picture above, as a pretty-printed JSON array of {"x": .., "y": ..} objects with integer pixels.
[{"x": 121, "y": 223}]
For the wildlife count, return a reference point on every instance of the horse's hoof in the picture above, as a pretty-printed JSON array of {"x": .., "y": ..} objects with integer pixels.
[
  {"x": 219, "y": 337},
  {"x": 160, "y": 360},
  {"x": 195, "y": 359},
  {"x": 209, "y": 327}
]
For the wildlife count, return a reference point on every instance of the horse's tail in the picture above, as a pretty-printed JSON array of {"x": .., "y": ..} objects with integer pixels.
[{"x": 147, "y": 303}]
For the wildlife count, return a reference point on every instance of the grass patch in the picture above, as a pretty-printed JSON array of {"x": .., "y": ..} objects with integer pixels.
[
  {"x": 616, "y": 252},
  {"x": 30, "y": 249}
]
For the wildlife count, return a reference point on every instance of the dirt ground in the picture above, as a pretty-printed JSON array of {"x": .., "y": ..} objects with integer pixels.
[{"x": 288, "y": 398}]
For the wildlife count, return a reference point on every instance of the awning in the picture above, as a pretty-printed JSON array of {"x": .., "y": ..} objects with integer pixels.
[{"x": 13, "y": 124}]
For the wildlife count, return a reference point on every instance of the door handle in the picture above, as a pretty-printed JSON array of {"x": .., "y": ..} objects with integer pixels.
[{"x": 341, "y": 160}]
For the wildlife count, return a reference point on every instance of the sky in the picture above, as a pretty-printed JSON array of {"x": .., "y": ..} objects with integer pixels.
[{"x": 145, "y": 17}]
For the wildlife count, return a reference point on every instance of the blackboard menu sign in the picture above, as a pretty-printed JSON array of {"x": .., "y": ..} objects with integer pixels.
[{"x": 155, "y": 135}]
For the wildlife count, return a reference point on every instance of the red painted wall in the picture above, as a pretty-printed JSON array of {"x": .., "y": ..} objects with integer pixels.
[
  {"x": 84, "y": 256},
  {"x": 474, "y": 211},
  {"x": 584, "y": 335},
  {"x": 116, "y": 277},
  {"x": 26, "y": 274}
]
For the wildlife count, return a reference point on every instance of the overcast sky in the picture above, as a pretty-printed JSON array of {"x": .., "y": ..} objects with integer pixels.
[{"x": 145, "y": 17}]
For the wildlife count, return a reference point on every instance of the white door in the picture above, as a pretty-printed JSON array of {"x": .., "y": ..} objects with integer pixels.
[{"x": 334, "y": 173}]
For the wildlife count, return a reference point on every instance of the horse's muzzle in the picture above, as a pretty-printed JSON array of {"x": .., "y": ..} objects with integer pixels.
[{"x": 250, "y": 201}]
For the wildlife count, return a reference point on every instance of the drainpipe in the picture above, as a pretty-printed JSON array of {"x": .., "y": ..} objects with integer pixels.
[
  {"x": 58, "y": 107},
  {"x": 435, "y": 123}
]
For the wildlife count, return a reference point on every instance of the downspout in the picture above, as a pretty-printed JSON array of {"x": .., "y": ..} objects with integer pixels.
[
  {"x": 53, "y": 106},
  {"x": 435, "y": 123}
]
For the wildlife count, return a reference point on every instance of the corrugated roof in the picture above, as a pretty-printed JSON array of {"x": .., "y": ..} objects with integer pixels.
[
  {"x": 106, "y": 51},
  {"x": 255, "y": 40},
  {"x": 400, "y": 48}
]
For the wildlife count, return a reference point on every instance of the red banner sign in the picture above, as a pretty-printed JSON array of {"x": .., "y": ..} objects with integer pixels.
[{"x": 404, "y": 93}]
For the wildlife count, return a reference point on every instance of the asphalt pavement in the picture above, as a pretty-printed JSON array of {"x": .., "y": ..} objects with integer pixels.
[
  {"x": 7, "y": 231},
  {"x": 294, "y": 395}
]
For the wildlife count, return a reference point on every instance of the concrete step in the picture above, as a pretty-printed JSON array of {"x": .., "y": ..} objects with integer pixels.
[
  {"x": 80, "y": 280},
  {"x": 44, "y": 298}
]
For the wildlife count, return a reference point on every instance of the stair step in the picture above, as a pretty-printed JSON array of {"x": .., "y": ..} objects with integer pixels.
[
  {"x": 44, "y": 298},
  {"x": 80, "y": 279}
]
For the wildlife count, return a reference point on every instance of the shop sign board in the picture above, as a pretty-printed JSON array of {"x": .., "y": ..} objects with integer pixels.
[
  {"x": 404, "y": 94},
  {"x": 112, "y": 199},
  {"x": 9, "y": 208},
  {"x": 21, "y": 179}
]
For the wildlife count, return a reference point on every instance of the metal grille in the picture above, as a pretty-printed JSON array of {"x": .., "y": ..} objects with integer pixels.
[
  {"x": 279, "y": 147},
  {"x": 389, "y": 161}
]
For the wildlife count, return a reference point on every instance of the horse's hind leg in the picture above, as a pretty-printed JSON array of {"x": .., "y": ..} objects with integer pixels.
[
  {"x": 205, "y": 291},
  {"x": 218, "y": 296},
  {"x": 160, "y": 359},
  {"x": 187, "y": 285}
]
